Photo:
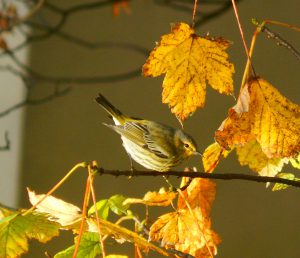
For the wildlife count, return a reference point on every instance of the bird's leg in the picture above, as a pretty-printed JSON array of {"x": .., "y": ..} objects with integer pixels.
[
  {"x": 171, "y": 187},
  {"x": 132, "y": 168}
]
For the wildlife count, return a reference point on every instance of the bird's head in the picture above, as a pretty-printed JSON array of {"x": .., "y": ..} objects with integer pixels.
[{"x": 186, "y": 144}]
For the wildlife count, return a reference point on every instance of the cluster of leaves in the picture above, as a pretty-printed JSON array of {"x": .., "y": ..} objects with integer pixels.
[
  {"x": 263, "y": 127},
  {"x": 187, "y": 229}
]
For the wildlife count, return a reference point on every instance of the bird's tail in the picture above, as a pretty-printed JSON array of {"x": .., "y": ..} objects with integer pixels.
[{"x": 116, "y": 114}]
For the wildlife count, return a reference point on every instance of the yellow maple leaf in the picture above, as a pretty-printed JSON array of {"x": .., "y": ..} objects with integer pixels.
[
  {"x": 276, "y": 123},
  {"x": 189, "y": 228},
  {"x": 180, "y": 231},
  {"x": 189, "y": 61},
  {"x": 200, "y": 193},
  {"x": 252, "y": 155},
  {"x": 262, "y": 113},
  {"x": 212, "y": 156},
  {"x": 161, "y": 198}
]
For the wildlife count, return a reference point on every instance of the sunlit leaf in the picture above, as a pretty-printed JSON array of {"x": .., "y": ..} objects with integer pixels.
[
  {"x": 116, "y": 256},
  {"x": 17, "y": 229},
  {"x": 63, "y": 212},
  {"x": 189, "y": 62},
  {"x": 186, "y": 232},
  {"x": 212, "y": 156},
  {"x": 161, "y": 198},
  {"x": 200, "y": 193},
  {"x": 252, "y": 155},
  {"x": 122, "y": 234},
  {"x": 267, "y": 116},
  {"x": 89, "y": 247},
  {"x": 295, "y": 162},
  {"x": 279, "y": 186},
  {"x": 115, "y": 203},
  {"x": 102, "y": 207}
]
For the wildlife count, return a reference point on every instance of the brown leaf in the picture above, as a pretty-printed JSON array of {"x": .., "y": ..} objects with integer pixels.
[{"x": 161, "y": 198}]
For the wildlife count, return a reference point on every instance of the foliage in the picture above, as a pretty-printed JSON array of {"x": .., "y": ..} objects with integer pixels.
[{"x": 263, "y": 128}]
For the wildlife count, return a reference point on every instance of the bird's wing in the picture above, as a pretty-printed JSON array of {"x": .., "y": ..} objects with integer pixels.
[
  {"x": 160, "y": 140},
  {"x": 139, "y": 134}
]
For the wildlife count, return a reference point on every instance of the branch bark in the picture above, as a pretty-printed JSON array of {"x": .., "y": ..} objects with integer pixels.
[{"x": 222, "y": 176}]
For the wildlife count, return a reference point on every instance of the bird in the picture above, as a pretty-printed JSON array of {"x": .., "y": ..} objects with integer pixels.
[{"x": 151, "y": 144}]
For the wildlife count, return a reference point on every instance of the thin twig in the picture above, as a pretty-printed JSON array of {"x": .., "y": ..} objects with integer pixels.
[
  {"x": 91, "y": 182},
  {"x": 280, "y": 41},
  {"x": 27, "y": 101},
  {"x": 227, "y": 176},
  {"x": 32, "y": 12},
  {"x": 242, "y": 35}
]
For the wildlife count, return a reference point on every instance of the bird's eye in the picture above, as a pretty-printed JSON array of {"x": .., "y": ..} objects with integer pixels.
[{"x": 186, "y": 145}]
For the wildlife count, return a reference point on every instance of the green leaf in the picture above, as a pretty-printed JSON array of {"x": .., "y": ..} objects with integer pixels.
[
  {"x": 114, "y": 203},
  {"x": 16, "y": 229},
  {"x": 102, "y": 208},
  {"x": 279, "y": 186},
  {"x": 89, "y": 247}
]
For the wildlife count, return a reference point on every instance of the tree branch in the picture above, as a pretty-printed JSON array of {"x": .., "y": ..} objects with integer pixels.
[
  {"x": 223, "y": 176},
  {"x": 280, "y": 41}
]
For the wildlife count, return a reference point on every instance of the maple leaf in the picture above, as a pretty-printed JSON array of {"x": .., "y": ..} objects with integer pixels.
[
  {"x": 252, "y": 155},
  {"x": 181, "y": 231},
  {"x": 89, "y": 247},
  {"x": 189, "y": 61},
  {"x": 263, "y": 114},
  {"x": 189, "y": 228},
  {"x": 161, "y": 198},
  {"x": 212, "y": 156},
  {"x": 16, "y": 229},
  {"x": 200, "y": 193},
  {"x": 60, "y": 211},
  {"x": 115, "y": 204}
]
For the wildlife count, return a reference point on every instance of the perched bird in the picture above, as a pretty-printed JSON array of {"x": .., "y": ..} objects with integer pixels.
[{"x": 153, "y": 145}]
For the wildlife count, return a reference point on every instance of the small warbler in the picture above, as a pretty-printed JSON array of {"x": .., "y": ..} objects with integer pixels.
[{"x": 153, "y": 145}]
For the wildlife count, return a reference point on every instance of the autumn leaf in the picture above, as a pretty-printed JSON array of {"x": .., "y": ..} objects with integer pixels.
[
  {"x": 16, "y": 229},
  {"x": 266, "y": 116},
  {"x": 161, "y": 198},
  {"x": 189, "y": 62},
  {"x": 122, "y": 234},
  {"x": 62, "y": 212},
  {"x": 188, "y": 229},
  {"x": 200, "y": 193},
  {"x": 252, "y": 155},
  {"x": 212, "y": 155},
  {"x": 186, "y": 232}
]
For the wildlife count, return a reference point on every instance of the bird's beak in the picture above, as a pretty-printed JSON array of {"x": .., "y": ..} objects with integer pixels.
[{"x": 197, "y": 153}]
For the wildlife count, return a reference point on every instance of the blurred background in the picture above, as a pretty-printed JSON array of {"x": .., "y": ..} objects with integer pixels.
[{"x": 50, "y": 80}]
